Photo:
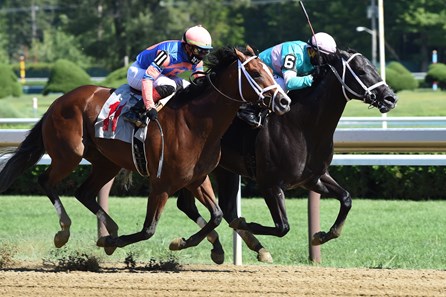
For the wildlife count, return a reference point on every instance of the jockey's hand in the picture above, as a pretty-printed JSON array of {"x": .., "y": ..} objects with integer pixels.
[
  {"x": 317, "y": 73},
  {"x": 152, "y": 114}
]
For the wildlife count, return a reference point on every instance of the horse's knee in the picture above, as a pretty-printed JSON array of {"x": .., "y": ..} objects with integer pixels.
[
  {"x": 282, "y": 229},
  {"x": 182, "y": 203},
  {"x": 217, "y": 217},
  {"x": 346, "y": 201},
  {"x": 147, "y": 233}
]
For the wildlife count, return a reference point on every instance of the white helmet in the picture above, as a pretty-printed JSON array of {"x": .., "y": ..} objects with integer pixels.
[{"x": 324, "y": 41}]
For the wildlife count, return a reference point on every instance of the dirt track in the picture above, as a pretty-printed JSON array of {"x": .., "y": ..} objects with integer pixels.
[{"x": 225, "y": 280}]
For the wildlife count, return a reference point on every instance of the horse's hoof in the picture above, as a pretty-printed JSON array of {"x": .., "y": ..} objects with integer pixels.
[
  {"x": 264, "y": 256},
  {"x": 177, "y": 244},
  {"x": 106, "y": 242},
  {"x": 109, "y": 250},
  {"x": 238, "y": 223},
  {"x": 318, "y": 238},
  {"x": 61, "y": 238},
  {"x": 218, "y": 256}
]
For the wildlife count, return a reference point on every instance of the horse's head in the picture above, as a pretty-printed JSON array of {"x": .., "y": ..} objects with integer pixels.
[
  {"x": 361, "y": 80},
  {"x": 268, "y": 93}
]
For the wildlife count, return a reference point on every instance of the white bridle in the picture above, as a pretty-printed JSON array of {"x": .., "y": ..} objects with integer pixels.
[
  {"x": 367, "y": 90},
  {"x": 259, "y": 91}
]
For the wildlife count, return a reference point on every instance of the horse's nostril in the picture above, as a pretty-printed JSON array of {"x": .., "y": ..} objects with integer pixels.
[{"x": 284, "y": 102}]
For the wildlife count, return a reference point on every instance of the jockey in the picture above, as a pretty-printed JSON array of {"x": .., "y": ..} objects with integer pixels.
[
  {"x": 295, "y": 66},
  {"x": 156, "y": 68}
]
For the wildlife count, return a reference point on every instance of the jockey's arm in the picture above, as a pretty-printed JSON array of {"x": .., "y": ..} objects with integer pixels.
[
  {"x": 292, "y": 62},
  {"x": 152, "y": 73},
  {"x": 295, "y": 82},
  {"x": 198, "y": 70}
]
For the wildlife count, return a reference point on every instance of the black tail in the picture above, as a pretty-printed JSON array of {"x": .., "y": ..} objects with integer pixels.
[{"x": 26, "y": 155}]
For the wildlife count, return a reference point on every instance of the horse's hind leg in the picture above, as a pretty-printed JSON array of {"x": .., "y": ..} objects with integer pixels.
[
  {"x": 186, "y": 203},
  {"x": 48, "y": 180},
  {"x": 327, "y": 186}
]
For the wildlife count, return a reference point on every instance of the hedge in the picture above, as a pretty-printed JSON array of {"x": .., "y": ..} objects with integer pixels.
[
  {"x": 437, "y": 73},
  {"x": 65, "y": 76},
  {"x": 399, "y": 78},
  {"x": 116, "y": 78},
  {"x": 9, "y": 85},
  {"x": 371, "y": 182}
]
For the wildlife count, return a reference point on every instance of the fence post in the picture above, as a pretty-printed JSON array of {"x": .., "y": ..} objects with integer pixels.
[
  {"x": 314, "y": 225},
  {"x": 236, "y": 239},
  {"x": 103, "y": 202}
]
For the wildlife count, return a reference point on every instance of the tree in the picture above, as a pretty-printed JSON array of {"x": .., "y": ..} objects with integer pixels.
[
  {"x": 425, "y": 22},
  {"x": 58, "y": 45}
]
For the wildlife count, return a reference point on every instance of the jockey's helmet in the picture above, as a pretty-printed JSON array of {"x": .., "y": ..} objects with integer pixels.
[
  {"x": 198, "y": 41},
  {"x": 324, "y": 41}
]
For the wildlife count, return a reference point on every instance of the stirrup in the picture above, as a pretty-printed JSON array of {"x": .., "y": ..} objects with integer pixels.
[
  {"x": 250, "y": 118},
  {"x": 134, "y": 119}
]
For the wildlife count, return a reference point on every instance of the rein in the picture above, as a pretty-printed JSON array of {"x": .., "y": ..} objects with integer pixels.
[{"x": 367, "y": 90}]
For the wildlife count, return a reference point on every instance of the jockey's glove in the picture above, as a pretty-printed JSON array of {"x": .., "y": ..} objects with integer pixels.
[
  {"x": 152, "y": 114},
  {"x": 317, "y": 73}
]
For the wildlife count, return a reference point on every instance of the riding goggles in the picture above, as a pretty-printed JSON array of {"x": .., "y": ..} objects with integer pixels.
[{"x": 200, "y": 51}]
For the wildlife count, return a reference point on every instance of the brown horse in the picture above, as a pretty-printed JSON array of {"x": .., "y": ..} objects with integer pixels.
[{"x": 193, "y": 121}]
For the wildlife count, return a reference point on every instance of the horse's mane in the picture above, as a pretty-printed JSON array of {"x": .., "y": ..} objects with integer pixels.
[
  {"x": 223, "y": 57},
  {"x": 215, "y": 62}
]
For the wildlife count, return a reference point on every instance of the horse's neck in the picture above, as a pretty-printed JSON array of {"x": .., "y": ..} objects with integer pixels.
[
  {"x": 331, "y": 106},
  {"x": 211, "y": 114},
  {"x": 320, "y": 111}
]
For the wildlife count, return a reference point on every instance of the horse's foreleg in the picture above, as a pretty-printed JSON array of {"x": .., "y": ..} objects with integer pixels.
[
  {"x": 329, "y": 187},
  {"x": 186, "y": 203},
  {"x": 275, "y": 200},
  {"x": 155, "y": 206},
  {"x": 205, "y": 195},
  {"x": 102, "y": 172},
  {"x": 228, "y": 187}
]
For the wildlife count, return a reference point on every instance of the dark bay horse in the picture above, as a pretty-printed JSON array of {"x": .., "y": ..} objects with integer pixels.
[
  {"x": 193, "y": 122},
  {"x": 294, "y": 150}
]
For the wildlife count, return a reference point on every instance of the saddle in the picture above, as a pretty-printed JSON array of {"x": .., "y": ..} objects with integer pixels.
[{"x": 110, "y": 125}]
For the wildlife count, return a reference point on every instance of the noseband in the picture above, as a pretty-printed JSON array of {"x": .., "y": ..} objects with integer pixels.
[
  {"x": 368, "y": 96},
  {"x": 258, "y": 89}
]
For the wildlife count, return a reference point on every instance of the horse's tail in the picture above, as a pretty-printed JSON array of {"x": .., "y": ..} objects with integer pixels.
[{"x": 26, "y": 155}]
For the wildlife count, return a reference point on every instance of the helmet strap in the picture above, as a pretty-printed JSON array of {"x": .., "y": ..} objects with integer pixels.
[{"x": 190, "y": 54}]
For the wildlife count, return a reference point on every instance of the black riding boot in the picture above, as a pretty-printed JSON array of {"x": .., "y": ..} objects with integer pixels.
[
  {"x": 250, "y": 115},
  {"x": 136, "y": 114}
]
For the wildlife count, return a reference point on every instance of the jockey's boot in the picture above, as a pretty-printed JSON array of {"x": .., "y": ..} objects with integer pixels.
[
  {"x": 251, "y": 116},
  {"x": 136, "y": 115}
]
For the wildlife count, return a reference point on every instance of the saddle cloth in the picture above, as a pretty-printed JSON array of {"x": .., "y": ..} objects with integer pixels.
[{"x": 109, "y": 124}]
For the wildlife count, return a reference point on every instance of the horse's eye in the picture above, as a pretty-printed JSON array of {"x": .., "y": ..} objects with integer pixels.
[{"x": 256, "y": 74}]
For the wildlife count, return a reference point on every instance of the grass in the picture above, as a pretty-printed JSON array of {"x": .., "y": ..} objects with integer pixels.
[
  {"x": 377, "y": 234},
  {"x": 421, "y": 102}
]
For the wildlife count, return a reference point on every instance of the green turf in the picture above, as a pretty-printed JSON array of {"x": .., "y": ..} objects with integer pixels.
[
  {"x": 421, "y": 102},
  {"x": 377, "y": 234}
]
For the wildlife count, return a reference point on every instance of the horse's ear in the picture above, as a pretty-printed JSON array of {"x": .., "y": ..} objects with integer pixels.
[
  {"x": 240, "y": 55},
  {"x": 249, "y": 49}
]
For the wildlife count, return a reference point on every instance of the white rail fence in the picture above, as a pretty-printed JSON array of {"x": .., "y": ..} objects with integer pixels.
[{"x": 428, "y": 141}]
